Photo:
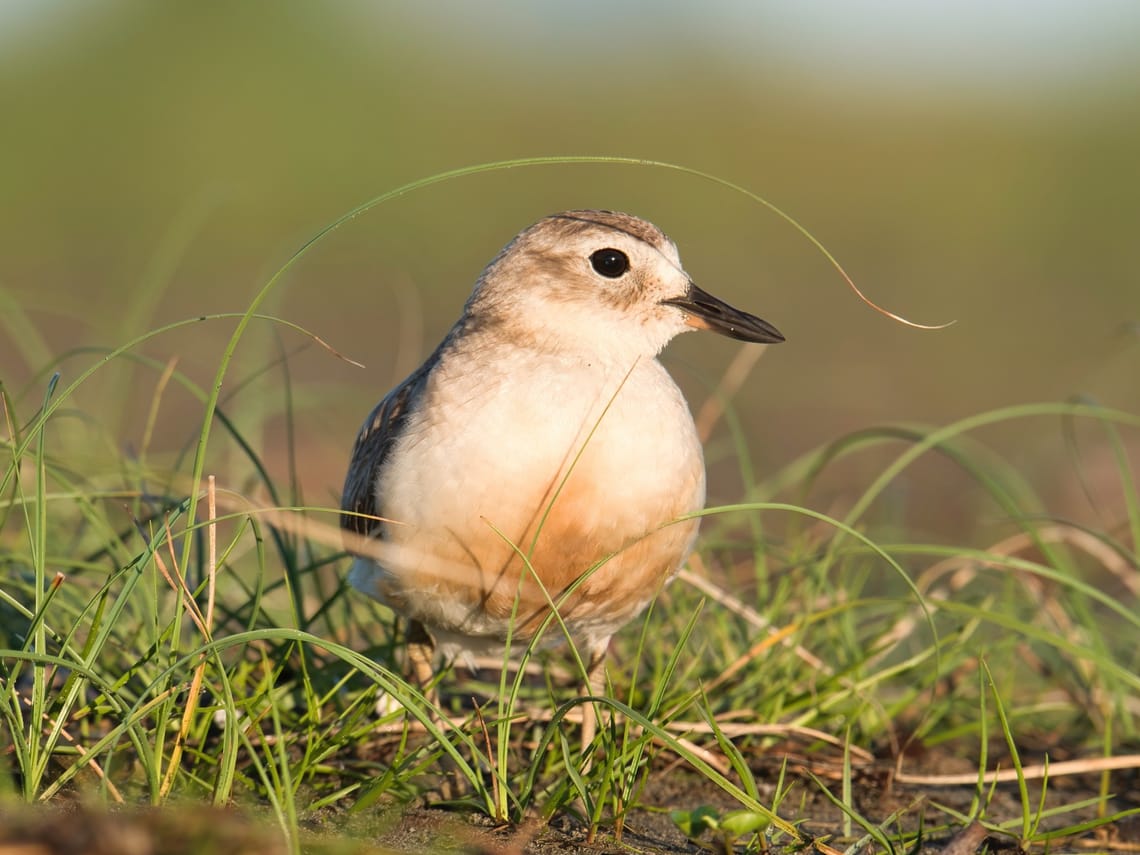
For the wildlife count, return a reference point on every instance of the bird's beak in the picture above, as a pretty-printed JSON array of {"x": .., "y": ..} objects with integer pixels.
[{"x": 706, "y": 312}]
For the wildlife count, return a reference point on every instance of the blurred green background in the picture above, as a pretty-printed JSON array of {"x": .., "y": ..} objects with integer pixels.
[{"x": 972, "y": 161}]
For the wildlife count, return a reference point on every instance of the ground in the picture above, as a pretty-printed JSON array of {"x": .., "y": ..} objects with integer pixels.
[{"x": 74, "y": 828}]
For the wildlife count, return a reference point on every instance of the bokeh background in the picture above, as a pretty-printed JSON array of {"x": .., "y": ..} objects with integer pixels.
[{"x": 974, "y": 161}]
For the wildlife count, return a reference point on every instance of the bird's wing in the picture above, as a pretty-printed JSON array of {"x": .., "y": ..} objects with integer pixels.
[{"x": 373, "y": 445}]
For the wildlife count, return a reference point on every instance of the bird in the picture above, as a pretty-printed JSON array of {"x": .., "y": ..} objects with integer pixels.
[{"x": 541, "y": 455}]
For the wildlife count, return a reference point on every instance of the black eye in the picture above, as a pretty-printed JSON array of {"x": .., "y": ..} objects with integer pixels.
[{"x": 611, "y": 263}]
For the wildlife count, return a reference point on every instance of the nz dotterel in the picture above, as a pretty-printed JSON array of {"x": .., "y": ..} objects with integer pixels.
[{"x": 542, "y": 432}]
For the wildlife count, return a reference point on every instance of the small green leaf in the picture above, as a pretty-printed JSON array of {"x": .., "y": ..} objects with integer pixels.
[
  {"x": 695, "y": 822},
  {"x": 738, "y": 822}
]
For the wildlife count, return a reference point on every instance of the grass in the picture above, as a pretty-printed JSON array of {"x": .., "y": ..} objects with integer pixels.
[
  {"x": 153, "y": 658},
  {"x": 168, "y": 637}
]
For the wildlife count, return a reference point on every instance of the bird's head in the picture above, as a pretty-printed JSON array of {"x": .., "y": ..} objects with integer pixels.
[{"x": 604, "y": 283}]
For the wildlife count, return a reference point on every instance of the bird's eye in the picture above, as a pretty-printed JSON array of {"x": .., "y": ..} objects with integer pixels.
[{"x": 611, "y": 263}]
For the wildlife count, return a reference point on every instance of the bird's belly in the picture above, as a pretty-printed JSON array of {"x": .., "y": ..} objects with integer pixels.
[{"x": 503, "y": 501}]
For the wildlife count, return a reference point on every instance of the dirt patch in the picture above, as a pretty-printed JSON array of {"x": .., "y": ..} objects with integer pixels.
[
  {"x": 176, "y": 830},
  {"x": 422, "y": 828},
  {"x": 650, "y": 829}
]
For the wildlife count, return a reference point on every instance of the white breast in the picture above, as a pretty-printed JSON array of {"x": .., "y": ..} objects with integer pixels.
[{"x": 540, "y": 456}]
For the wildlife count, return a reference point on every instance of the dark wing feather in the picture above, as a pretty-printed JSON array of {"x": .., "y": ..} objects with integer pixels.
[{"x": 373, "y": 445}]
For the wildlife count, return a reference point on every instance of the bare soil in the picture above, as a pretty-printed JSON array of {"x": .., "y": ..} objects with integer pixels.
[
  {"x": 77, "y": 829},
  {"x": 649, "y": 829}
]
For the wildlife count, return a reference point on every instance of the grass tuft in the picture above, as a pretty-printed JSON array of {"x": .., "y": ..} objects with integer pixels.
[{"x": 172, "y": 634}]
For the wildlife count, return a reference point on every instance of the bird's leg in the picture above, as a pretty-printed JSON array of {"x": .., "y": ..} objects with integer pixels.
[
  {"x": 595, "y": 685},
  {"x": 421, "y": 660},
  {"x": 421, "y": 653}
]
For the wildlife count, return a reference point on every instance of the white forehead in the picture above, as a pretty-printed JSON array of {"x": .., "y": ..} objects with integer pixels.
[{"x": 584, "y": 229}]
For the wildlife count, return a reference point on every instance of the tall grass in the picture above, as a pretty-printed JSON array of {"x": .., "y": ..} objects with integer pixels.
[
  {"x": 151, "y": 656},
  {"x": 170, "y": 634}
]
